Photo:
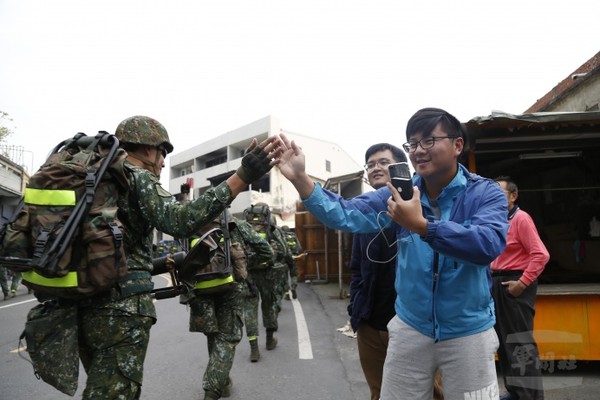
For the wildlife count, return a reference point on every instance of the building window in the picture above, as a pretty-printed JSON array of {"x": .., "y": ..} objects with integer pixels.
[
  {"x": 327, "y": 165},
  {"x": 216, "y": 161},
  {"x": 185, "y": 171}
]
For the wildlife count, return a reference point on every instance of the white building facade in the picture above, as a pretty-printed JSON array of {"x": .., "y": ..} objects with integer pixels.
[
  {"x": 213, "y": 161},
  {"x": 13, "y": 179}
]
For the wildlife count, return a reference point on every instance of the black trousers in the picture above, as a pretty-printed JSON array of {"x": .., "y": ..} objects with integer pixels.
[{"x": 518, "y": 353}]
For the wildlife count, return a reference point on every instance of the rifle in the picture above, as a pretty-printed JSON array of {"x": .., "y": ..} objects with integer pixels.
[{"x": 171, "y": 264}]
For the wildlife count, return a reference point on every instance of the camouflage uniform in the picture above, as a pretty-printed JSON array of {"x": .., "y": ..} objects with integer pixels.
[
  {"x": 14, "y": 285},
  {"x": 4, "y": 281},
  {"x": 296, "y": 249},
  {"x": 220, "y": 316},
  {"x": 115, "y": 328},
  {"x": 263, "y": 290},
  {"x": 283, "y": 263},
  {"x": 268, "y": 282}
]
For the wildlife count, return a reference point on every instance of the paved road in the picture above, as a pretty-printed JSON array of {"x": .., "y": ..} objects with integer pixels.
[{"x": 313, "y": 363}]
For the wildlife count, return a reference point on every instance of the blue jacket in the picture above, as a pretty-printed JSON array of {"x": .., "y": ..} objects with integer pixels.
[{"x": 442, "y": 278}]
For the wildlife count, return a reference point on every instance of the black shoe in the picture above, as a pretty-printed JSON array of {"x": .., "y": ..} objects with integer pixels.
[
  {"x": 294, "y": 294},
  {"x": 5, "y": 296}
]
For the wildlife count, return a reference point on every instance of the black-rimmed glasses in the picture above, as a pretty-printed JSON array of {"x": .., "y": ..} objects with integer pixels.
[
  {"x": 426, "y": 143},
  {"x": 382, "y": 162}
]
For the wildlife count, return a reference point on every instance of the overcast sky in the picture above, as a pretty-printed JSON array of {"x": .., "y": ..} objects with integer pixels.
[{"x": 351, "y": 72}]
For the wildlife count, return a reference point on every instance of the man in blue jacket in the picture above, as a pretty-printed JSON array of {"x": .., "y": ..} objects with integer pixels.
[{"x": 448, "y": 233}]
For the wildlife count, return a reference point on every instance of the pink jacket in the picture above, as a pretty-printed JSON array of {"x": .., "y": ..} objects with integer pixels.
[{"x": 524, "y": 250}]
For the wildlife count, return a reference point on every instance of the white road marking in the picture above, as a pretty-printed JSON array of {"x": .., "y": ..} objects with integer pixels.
[
  {"x": 20, "y": 349},
  {"x": 304, "y": 346},
  {"x": 18, "y": 304}
]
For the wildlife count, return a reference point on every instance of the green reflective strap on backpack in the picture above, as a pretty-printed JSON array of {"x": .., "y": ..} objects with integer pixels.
[
  {"x": 69, "y": 280},
  {"x": 47, "y": 197},
  {"x": 196, "y": 240},
  {"x": 213, "y": 283}
]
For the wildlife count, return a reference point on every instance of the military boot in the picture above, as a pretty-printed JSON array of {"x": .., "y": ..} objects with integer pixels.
[
  {"x": 208, "y": 395},
  {"x": 254, "y": 353},
  {"x": 271, "y": 340}
]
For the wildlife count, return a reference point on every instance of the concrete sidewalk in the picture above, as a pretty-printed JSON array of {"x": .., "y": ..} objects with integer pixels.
[
  {"x": 334, "y": 302},
  {"x": 582, "y": 383},
  {"x": 335, "y": 299}
]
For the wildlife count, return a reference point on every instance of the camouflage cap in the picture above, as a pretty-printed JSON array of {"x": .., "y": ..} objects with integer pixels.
[{"x": 140, "y": 129}]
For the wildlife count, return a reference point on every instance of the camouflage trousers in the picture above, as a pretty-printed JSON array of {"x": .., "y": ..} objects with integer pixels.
[
  {"x": 294, "y": 275},
  {"x": 15, "y": 280},
  {"x": 282, "y": 284},
  {"x": 268, "y": 288},
  {"x": 112, "y": 347},
  {"x": 219, "y": 317}
]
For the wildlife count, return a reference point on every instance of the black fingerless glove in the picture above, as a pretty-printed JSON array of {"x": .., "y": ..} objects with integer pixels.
[{"x": 254, "y": 165}]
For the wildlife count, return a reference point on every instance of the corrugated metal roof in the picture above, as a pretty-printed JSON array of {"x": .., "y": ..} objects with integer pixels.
[
  {"x": 503, "y": 131},
  {"x": 499, "y": 119},
  {"x": 350, "y": 185}
]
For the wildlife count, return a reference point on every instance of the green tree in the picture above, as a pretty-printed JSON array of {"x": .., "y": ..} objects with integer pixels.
[{"x": 5, "y": 131}]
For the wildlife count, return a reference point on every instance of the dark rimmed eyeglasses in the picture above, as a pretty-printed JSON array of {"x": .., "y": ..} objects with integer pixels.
[
  {"x": 426, "y": 143},
  {"x": 382, "y": 162}
]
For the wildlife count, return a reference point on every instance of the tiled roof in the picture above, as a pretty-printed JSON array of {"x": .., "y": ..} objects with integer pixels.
[{"x": 576, "y": 78}]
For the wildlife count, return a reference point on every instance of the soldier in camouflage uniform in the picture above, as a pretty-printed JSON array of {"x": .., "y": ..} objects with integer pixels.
[
  {"x": 296, "y": 249},
  {"x": 114, "y": 328},
  {"x": 283, "y": 261},
  {"x": 265, "y": 279},
  {"x": 4, "y": 281},
  {"x": 220, "y": 315}
]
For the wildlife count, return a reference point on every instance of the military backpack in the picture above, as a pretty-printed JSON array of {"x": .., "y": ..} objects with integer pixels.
[
  {"x": 293, "y": 243},
  {"x": 65, "y": 236},
  {"x": 259, "y": 216},
  {"x": 214, "y": 264}
]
